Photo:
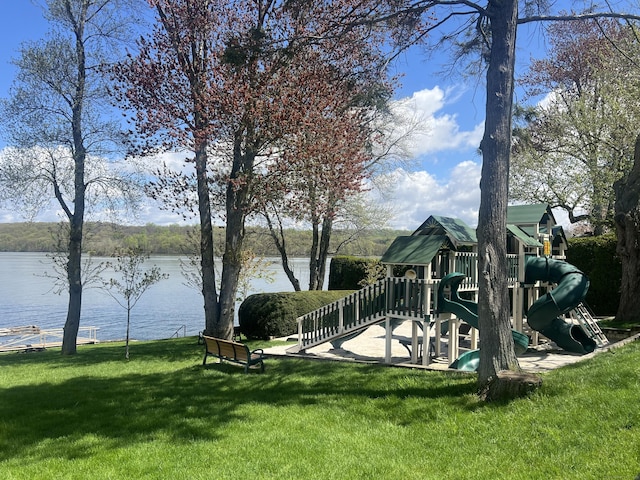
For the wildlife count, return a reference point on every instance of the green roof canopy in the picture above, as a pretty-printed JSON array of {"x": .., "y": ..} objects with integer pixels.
[
  {"x": 523, "y": 236},
  {"x": 413, "y": 250},
  {"x": 558, "y": 236},
  {"x": 458, "y": 232},
  {"x": 529, "y": 214}
]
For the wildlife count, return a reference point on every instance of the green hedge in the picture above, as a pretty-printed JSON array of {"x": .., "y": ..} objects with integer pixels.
[
  {"x": 596, "y": 257},
  {"x": 347, "y": 273},
  {"x": 267, "y": 315}
]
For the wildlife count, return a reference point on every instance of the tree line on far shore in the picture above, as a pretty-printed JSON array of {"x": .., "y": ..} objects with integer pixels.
[{"x": 103, "y": 239}]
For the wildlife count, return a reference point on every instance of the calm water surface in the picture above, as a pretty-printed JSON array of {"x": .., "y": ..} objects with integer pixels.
[{"x": 26, "y": 298}]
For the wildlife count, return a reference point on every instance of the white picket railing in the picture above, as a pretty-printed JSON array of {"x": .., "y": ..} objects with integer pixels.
[{"x": 396, "y": 297}]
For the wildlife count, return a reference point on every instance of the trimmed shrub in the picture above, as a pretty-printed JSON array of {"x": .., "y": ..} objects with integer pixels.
[
  {"x": 267, "y": 315},
  {"x": 596, "y": 257},
  {"x": 347, "y": 273}
]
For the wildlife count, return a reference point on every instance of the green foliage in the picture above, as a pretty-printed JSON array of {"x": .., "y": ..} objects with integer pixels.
[
  {"x": 596, "y": 257},
  {"x": 567, "y": 151},
  {"x": 266, "y": 315},
  {"x": 162, "y": 415},
  {"x": 349, "y": 273}
]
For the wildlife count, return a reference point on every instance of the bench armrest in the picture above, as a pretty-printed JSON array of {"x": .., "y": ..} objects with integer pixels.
[{"x": 259, "y": 351}]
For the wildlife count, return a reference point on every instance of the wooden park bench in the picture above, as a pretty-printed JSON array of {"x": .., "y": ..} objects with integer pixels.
[{"x": 232, "y": 352}]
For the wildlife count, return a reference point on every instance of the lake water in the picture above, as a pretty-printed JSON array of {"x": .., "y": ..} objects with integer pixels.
[{"x": 166, "y": 308}]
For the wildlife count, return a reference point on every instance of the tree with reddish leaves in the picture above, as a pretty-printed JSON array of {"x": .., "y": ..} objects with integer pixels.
[
  {"x": 216, "y": 79},
  {"x": 323, "y": 155},
  {"x": 169, "y": 86}
]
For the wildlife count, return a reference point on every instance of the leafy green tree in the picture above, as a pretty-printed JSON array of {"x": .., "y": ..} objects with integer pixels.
[{"x": 570, "y": 148}]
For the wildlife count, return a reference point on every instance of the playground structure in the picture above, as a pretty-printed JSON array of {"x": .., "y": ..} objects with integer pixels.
[{"x": 432, "y": 282}]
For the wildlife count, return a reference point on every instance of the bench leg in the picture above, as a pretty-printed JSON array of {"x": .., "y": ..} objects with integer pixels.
[{"x": 247, "y": 365}]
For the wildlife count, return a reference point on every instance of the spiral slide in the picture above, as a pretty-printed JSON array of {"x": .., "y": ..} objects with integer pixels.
[
  {"x": 546, "y": 314},
  {"x": 468, "y": 311}
]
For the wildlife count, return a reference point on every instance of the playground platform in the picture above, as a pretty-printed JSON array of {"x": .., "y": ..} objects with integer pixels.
[{"x": 369, "y": 347}]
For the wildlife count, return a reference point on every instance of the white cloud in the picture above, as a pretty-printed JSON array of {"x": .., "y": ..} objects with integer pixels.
[
  {"x": 437, "y": 132},
  {"x": 13, "y": 215},
  {"x": 175, "y": 161},
  {"x": 150, "y": 212},
  {"x": 417, "y": 195},
  {"x": 451, "y": 188}
]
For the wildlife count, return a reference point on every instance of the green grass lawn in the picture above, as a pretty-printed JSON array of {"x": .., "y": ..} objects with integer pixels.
[{"x": 162, "y": 415}]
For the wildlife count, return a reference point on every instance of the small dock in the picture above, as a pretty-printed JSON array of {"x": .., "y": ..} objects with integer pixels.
[{"x": 31, "y": 337}]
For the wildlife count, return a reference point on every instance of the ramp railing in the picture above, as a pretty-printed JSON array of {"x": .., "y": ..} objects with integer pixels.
[{"x": 398, "y": 297}]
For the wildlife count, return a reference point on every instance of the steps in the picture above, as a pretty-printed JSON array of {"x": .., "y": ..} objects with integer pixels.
[{"x": 589, "y": 325}]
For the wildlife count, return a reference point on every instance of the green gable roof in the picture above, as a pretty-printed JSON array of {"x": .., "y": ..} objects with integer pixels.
[
  {"x": 529, "y": 214},
  {"x": 458, "y": 232},
  {"x": 413, "y": 250},
  {"x": 558, "y": 236},
  {"x": 523, "y": 236}
]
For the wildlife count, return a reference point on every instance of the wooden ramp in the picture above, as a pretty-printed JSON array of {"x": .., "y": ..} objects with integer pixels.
[
  {"x": 397, "y": 298},
  {"x": 32, "y": 337}
]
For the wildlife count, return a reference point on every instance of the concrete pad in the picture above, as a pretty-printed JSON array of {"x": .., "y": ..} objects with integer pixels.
[{"x": 369, "y": 347}]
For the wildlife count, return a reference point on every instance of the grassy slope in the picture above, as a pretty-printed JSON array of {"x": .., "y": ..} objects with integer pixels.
[{"x": 161, "y": 415}]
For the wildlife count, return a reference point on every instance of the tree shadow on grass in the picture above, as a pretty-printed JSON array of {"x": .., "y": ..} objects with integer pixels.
[
  {"x": 186, "y": 401},
  {"x": 169, "y": 350}
]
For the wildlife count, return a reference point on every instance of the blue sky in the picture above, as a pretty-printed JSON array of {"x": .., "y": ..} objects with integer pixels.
[{"x": 444, "y": 177}]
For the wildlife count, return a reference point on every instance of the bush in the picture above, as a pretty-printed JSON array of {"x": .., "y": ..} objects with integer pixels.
[
  {"x": 267, "y": 315},
  {"x": 348, "y": 273},
  {"x": 596, "y": 257}
]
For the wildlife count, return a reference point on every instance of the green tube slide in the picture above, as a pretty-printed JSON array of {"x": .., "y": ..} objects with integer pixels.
[
  {"x": 467, "y": 311},
  {"x": 546, "y": 314}
]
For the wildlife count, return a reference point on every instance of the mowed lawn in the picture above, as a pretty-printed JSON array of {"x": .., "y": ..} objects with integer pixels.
[{"x": 162, "y": 415}]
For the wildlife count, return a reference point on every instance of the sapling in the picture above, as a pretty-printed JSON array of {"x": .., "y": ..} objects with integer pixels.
[{"x": 133, "y": 283}]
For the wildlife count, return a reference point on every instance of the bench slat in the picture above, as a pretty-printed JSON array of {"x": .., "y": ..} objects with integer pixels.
[
  {"x": 226, "y": 350},
  {"x": 232, "y": 351}
]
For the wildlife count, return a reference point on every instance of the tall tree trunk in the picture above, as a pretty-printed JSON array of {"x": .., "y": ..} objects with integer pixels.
[
  {"x": 497, "y": 352},
  {"x": 74, "y": 277},
  {"x": 209, "y": 290},
  {"x": 76, "y": 219},
  {"x": 231, "y": 266},
  {"x": 627, "y": 220},
  {"x": 74, "y": 262},
  {"x": 280, "y": 242},
  {"x": 313, "y": 253},
  {"x": 237, "y": 204},
  {"x": 600, "y": 211},
  {"x": 322, "y": 252}
]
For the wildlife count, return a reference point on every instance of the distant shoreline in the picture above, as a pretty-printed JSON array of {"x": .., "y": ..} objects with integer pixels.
[{"x": 102, "y": 239}]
